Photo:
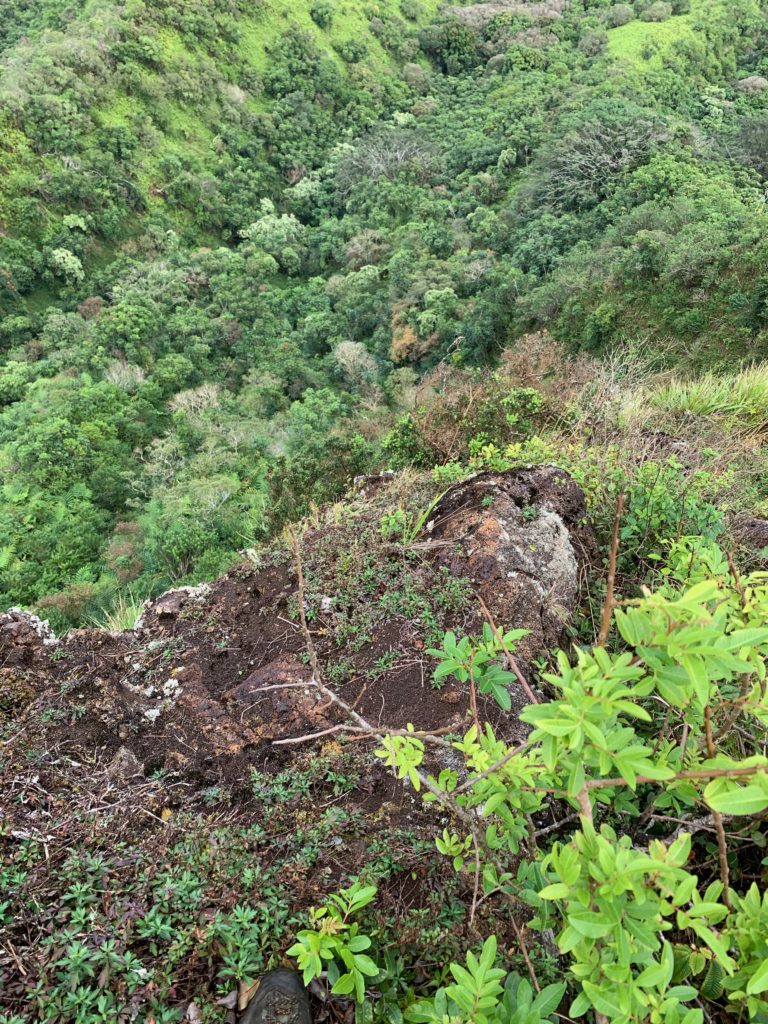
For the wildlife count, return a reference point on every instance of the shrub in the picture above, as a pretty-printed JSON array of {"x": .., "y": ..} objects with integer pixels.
[
  {"x": 322, "y": 12},
  {"x": 592, "y": 44},
  {"x": 479, "y": 408},
  {"x": 658, "y": 11},
  {"x": 619, "y": 14},
  {"x": 576, "y": 173},
  {"x": 411, "y": 9},
  {"x": 647, "y": 933},
  {"x": 352, "y": 50}
]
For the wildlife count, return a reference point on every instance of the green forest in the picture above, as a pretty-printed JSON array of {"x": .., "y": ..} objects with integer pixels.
[
  {"x": 236, "y": 236},
  {"x": 286, "y": 288}
]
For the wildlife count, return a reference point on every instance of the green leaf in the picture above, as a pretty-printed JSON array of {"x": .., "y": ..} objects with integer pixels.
[
  {"x": 576, "y": 778},
  {"x": 493, "y": 801},
  {"x": 548, "y": 1000},
  {"x": 556, "y": 891},
  {"x": 604, "y": 1002},
  {"x": 445, "y": 668},
  {"x": 696, "y": 670},
  {"x": 741, "y": 800},
  {"x": 344, "y": 985},
  {"x": 503, "y": 699},
  {"x": 366, "y": 966},
  {"x": 392, "y": 1012},
  {"x": 580, "y": 1005},
  {"x": 364, "y": 1013},
  {"x": 759, "y": 980},
  {"x": 715, "y": 944},
  {"x": 589, "y": 924},
  {"x": 712, "y": 986}
]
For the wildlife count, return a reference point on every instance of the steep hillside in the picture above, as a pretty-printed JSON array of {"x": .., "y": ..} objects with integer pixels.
[
  {"x": 140, "y": 111},
  {"x": 176, "y": 797},
  {"x": 234, "y": 237},
  {"x": 384, "y": 510}
]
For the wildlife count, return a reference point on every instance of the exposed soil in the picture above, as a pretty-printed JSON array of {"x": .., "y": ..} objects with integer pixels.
[
  {"x": 189, "y": 692},
  {"x": 122, "y": 733}
]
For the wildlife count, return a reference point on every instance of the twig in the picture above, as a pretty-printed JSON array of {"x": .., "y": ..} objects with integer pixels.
[
  {"x": 736, "y": 577},
  {"x": 476, "y": 887},
  {"x": 283, "y": 686},
  {"x": 15, "y": 736},
  {"x": 736, "y": 709},
  {"x": 608, "y": 606},
  {"x": 315, "y": 735},
  {"x": 426, "y": 737},
  {"x": 489, "y": 771},
  {"x": 360, "y": 695},
  {"x": 717, "y": 818},
  {"x": 688, "y": 824},
  {"x": 585, "y": 804},
  {"x": 524, "y": 951},
  {"x": 510, "y": 659},
  {"x": 702, "y": 773},
  {"x": 555, "y": 825},
  {"x": 473, "y": 701}
]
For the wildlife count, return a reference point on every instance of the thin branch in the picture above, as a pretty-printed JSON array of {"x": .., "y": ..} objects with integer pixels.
[
  {"x": 703, "y": 773},
  {"x": 510, "y": 659},
  {"x": 524, "y": 951},
  {"x": 489, "y": 771},
  {"x": 316, "y": 735},
  {"x": 556, "y": 825},
  {"x": 476, "y": 886},
  {"x": 282, "y": 686},
  {"x": 473, "y": 701},
  {"x": 585, "y": 804},
  {"x": 717, "y": 818}
]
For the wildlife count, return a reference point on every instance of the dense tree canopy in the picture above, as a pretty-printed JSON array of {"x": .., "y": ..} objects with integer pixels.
[{"x": 228, "y": 236}]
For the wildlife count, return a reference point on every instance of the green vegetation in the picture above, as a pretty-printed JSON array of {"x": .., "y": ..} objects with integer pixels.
[
  {"x": 253, "y": 249},
  {"x": 646, "y": 42},
  {"x": 234, "y": 235},
  {"x": 699, "y": 644}
]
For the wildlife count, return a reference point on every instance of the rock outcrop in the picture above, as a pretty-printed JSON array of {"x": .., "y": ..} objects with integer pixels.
[
  {"x": 521, "y": 537},
  {"x": 213, "y": 676},
  {"x": 752, "y": 84}
]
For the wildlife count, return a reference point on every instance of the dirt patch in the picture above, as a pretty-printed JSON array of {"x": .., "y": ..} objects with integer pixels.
[
  {"x": 215, "y": 675},
  {"x": 158, "y": 737}
]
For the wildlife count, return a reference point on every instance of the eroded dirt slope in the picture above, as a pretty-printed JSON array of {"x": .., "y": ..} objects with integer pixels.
[
  {"x": 195, "y": 690},
  {"x": 114, "y": 738}
]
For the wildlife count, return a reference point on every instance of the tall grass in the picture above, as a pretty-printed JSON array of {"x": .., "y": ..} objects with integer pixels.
[
  {"x": 740, "y": 398},
  {"x": 122, "y": 614}
]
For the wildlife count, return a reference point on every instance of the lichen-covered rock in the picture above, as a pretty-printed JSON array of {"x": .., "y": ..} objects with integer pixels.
[
  {"x": 171, "y": 603},
  {"x": 522, "y": 537},
  {"x": 22, "y": 634}
]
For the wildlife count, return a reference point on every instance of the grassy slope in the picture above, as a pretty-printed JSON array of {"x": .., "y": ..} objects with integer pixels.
[
  {"x": 629, "y": 41},
  {"x": 189, "y": 129}
]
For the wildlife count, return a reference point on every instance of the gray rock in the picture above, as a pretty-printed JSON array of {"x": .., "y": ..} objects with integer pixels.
[
  {"x": 523, "y": 538},
  {"x": 754, "y": 83}
]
